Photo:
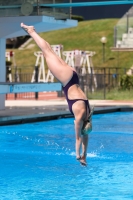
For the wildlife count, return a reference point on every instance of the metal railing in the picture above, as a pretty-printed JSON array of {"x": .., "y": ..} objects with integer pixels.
[
  {"x": 101, "y": 81},
  {"x": 95, "y": 85}
]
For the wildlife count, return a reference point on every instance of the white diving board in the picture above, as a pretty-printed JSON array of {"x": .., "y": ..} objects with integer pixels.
[{"x": 6, "y": 88}]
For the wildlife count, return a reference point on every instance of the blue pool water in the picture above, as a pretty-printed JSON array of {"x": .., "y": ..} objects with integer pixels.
[{"x": 37, "y": 161}]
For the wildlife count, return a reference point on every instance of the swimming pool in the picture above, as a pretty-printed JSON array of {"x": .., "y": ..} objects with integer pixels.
[{"x": 37, "y": 161}]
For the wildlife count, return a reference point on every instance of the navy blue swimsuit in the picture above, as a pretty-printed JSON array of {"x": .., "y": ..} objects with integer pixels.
[{"x": 74, "y": 80}]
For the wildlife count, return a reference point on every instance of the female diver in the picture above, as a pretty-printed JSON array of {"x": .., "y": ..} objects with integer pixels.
[{"x": 77, "y": 101}]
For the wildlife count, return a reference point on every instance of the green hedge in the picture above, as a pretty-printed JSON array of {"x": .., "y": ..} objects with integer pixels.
[
  {"x": 126, "y": 82},
  {"x": 77, "y": 17}
]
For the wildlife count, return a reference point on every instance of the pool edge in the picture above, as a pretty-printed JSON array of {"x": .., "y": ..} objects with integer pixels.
[{"x": 20, "y": 119}]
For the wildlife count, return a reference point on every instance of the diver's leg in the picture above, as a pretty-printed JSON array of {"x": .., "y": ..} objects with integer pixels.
[
  {"x": 85, "y": 140},
  {"x": 57, "y": 66},
  {"x": 78, "y": 147}
]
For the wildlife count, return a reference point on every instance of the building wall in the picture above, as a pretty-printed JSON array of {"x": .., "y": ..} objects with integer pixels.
[{"x": 100, "y": 12}]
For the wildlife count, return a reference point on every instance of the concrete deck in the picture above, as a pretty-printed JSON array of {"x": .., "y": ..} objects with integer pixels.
[{"x": 23, "y": 111}]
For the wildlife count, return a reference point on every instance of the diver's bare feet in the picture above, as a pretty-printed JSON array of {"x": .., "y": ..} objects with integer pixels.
[
  {"x": 78, "y": 157},
  {"x": 28, "y": 29},
  {"x": 82, "y": 160}
]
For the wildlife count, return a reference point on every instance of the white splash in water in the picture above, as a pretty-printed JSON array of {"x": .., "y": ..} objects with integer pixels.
[{"x": 91, "y": 155}]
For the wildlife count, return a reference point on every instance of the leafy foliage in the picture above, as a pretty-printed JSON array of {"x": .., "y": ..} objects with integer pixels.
[
  {"x": 126, "y": 82},
  {"x": 78, "y": 18}
]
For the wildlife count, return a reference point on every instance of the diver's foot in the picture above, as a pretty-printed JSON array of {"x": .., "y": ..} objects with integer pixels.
[
  {"x": 28, "y": 29},
  {"x": 78, "y": 157},
  {"x": 82, "y": 160}
]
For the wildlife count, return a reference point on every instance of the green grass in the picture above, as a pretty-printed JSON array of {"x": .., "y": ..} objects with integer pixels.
[
  {"x": 117, "y": 94},
  {"x": 86, "y": 36},
  {"x": 113, "y": 94}
]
